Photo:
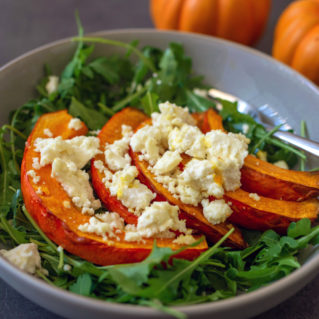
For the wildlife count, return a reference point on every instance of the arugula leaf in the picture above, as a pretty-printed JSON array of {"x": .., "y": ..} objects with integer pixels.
[
  {"x": 149, "y": 102},
  {"x": 131, "y": 276},
  {"x": 93, "y": 119},
  {"x": 83, "y": 285}
]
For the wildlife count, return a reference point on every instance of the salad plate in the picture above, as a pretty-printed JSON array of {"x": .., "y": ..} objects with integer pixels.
[{"x": 241, "y": 71}]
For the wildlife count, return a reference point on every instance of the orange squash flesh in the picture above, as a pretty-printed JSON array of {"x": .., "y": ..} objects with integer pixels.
[
  {"x": 267, "y": 179},
  {"x": 61, "y": 224}
]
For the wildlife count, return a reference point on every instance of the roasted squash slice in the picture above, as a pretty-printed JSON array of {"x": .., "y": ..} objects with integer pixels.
[{"x": 267, "y": 179}]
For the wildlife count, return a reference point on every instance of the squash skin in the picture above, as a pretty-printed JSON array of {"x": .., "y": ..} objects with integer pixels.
[
  {"x": 296, "y": 38},
  {"x": 267, "y": 179},
  {"x": 213, "y": 17},
  {"x": 60, "y": 224}
]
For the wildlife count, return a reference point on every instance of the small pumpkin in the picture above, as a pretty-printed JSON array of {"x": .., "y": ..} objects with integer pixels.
[
  {"x": 296, "y": 40},
  {"x": 241, "y": 21}
]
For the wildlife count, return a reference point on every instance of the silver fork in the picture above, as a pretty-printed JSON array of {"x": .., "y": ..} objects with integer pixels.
[{"x": 265, "y": 114}]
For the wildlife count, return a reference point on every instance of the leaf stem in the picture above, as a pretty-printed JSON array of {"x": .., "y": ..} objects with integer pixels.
[
  {"x": 265, "y": 137},
  {"x": 208, "y": 253},
  {"x": 127, "y": 46}
]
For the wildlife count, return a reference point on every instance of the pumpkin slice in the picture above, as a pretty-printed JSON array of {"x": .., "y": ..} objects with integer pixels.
[
  {"x": 267, "y": 179},
  {"x": 267, "y": 213},
  {"x": 61, "y": 223}
]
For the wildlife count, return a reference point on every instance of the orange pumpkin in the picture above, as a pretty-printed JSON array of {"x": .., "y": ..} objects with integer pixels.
[
  {"x": 238, "y": 20},
  {"x": 296, "y": 41}
]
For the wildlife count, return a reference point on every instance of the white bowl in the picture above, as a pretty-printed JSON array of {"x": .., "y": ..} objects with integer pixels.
[{"x": 236, "y": 69}]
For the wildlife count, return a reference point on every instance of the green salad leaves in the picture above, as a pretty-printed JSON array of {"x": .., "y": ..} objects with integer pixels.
[{"x": 94, "y": 89}]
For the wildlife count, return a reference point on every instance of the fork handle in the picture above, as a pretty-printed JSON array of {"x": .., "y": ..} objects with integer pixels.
[{"x": 305, "y": 144}]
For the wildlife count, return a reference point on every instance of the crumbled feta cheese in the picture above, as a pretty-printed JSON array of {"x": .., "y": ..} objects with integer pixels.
[
  {"x": 47, "y": 132},
  {"x": 116, "y": 154},
  {"x": 132, "y": 194},
  {"x": 105, "y": 225},
  {"x": 147, "y": 140},
  {"x": 66, "y": 204},
  {"x": 254, "y": 196},
  {"x": 219, "y": 106},
  {"x": 245, "y": 128},
  {"x": 227, "y": 152},
  {"x": 76, "y": 183},
  {"x": 78, "y": 150},
  {"x": 95, "y": 132},
  {"x": 167, "y": 163},
  {"x": 157, "y": 220},
  {"x": 282, "y": 164},
  {"x": 34, "y": 176},
  {"x": 67, "y": 267},
  {"x": 25, "y": 256},
  {"x": 75, "y": 124},
  {"x": 216, "y": 161},
  {"x": 52, "y": 84},
  {"x": 184, "y": 240},
  {"x": 216, "y": 211},
  {"x": 201, "y": 92},
  {"x": 159, "y": 82},
  {"x": 67, "y": 158},
  {"x": 181, "y": 139},
  {"x": 59, "y": 249},
  {"x": 39, "y": 191},
  {"x": 36, "y": 163}
]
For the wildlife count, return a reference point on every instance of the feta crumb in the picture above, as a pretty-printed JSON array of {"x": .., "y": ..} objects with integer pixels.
[
  {"x": 219, "y": 106},
  {"x": 157, "y": 220},
  {"x": 147, "y": 140},
  {"x": 25, "y": 256},
  {"x": 47, "y": 132},
  {"x": 36, "y": 163},
  {"x": 52, "y": 84},
  {"x": 59, "y": 249},
  {"x": 66, "y": 204},
  {"x": 245, "y": 128},
  {"x": 282, "y": 164},
  {"x": 34, "y": 176},
  {"x": 116, "y": 154},
  {"x": 67, "y": 267},
  {"x": 39, "y": 191},
  {"x": 227, "y": 153},
  {"x": 129, "y": 190},
  {"x": 254, "y": 196},
  {"x": 78, "y": 150},
  {"x": 76, "y": 183},
  {"x": 167, "y": 163},
  {"x": 201, "y": 92},
  {"x": 217, "y": 211},
  {"x": 184, "y": 240},
  {"x": 105, "y": 225},
  {"x": 159, "y": 82},
  {"x": 182, "y": 139},
  {"x": 75, "y": 124},
  {"x": 95, "y": 132}
]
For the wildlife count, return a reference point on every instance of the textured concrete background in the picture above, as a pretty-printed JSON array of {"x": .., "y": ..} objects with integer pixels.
[{"x": 26, "y": 24}]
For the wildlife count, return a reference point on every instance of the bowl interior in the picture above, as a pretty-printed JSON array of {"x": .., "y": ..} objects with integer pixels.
[{"x": 238, "y": 70}]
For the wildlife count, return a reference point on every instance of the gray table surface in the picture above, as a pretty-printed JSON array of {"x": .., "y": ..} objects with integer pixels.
[{"x": 26, "y": 24}]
